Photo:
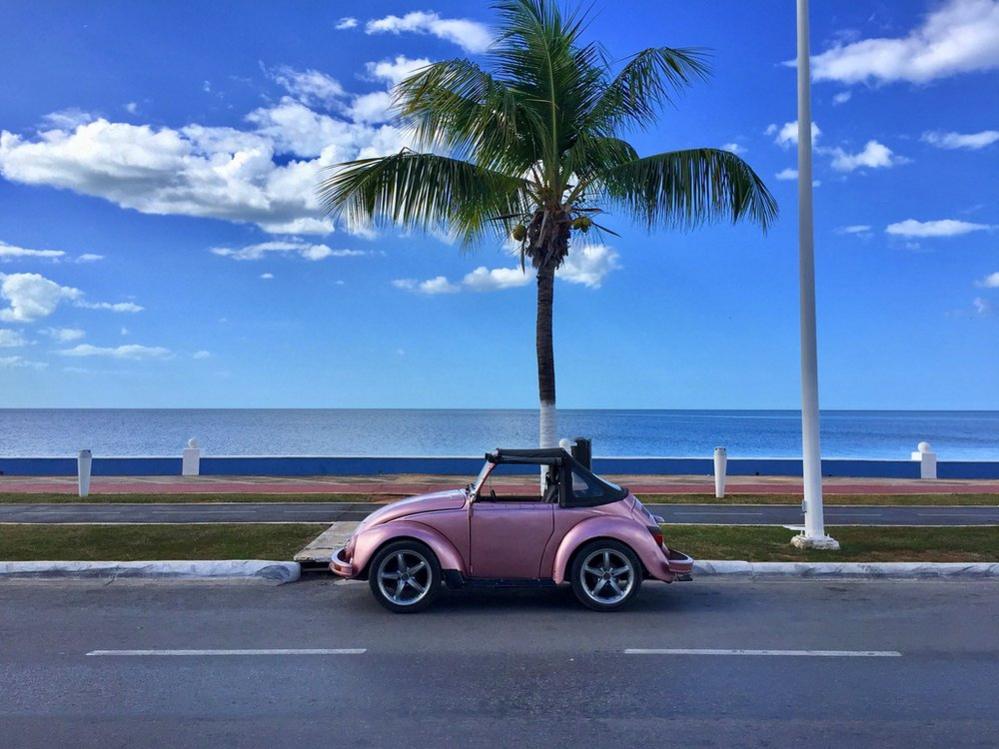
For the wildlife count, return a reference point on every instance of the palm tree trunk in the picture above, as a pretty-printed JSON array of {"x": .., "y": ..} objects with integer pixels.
[{"x": 548, "y": 429}]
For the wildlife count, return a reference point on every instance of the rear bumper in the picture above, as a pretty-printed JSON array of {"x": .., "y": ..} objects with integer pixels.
[
  {"x": 674, "y": 566},
  {"x": 679, "y": 563},
  {"x": 339, "y": 564}
]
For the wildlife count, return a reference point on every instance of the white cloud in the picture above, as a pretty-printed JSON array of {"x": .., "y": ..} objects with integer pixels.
[
  {"x": 588, "y": 265},
  {"x": 11, "y": 338},
  {"x": 787, "y": 174},
  {"x": 214, "y": 172},
  {"x": 311, "y": 87},
  {"x": 469, "y": 35},
  {"x": 19, "y": 362},
  {"x": 68, "y": 118},
  {"x": 854, "y": 229},
  {"x": 347, "y": 22},
  {"x": 129, "y": 351},
  {"x": 201, "y": 354},
  {"x": 373, "y": 107},
  {"x": 397, "y": 69},
  {"x": 129, "y": 307},
  {"x": 947, "y": 227},
  {"x": 10, "y": 252},
  {"x": 873, "y": 156},
  {"x": 486, "y": 279},
  {"x": 959, "y": 36},
  {"x": 842, "y": 97},
  {"x": 307, "y": 250},
  {"x": 31, "y": 296},
  {"x": 267, "y": 276},
  {"x": 377, "y": 106},
  {"x": 436, "y": 285},
  {"x": 13, "y": 252},
  {"x": 982, "y": 306},
  {"x": 734, "y": 148},
  {"x": 787, "y": 134},
  {"x": 971, "y": 141},
  {"x": 132, "y": 107},
  {"x": 64, "y": 335},
  {"x": 991, "y": 281}
]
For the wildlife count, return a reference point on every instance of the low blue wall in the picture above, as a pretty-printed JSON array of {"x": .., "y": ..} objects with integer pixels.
[{"x": 467, "y": 466}]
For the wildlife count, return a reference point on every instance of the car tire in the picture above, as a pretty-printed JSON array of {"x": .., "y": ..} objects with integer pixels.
[
  {"x": 593, "y": 575},
  {"x": 405, "y": 576}
]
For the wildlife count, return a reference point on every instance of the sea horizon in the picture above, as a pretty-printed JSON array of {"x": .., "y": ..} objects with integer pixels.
[{"x": 846, "y": 433}]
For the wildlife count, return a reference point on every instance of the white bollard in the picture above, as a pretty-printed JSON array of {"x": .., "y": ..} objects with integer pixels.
[
  {"x": 927, "y": 460},
  {"x": 84, "y": 462},
  {"x": 721, "y": 460},
  {"x": 190, "y": 464}
]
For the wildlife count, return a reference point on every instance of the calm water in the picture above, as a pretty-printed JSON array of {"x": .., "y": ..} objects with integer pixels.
[{"x": 867, "y": 434}]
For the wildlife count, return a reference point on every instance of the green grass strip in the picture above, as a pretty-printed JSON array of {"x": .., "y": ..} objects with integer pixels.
[
  {"x": 125, "y": 543},
  {"x": 281, "y": 541}
]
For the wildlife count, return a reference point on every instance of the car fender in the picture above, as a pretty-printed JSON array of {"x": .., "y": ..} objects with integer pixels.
[
  {"x": 370, "y": 540},
  {"x": 625, "y": 530}
]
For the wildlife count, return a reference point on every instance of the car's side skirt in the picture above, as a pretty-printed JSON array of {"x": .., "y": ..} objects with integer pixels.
[{"x": 454, "y": 579}]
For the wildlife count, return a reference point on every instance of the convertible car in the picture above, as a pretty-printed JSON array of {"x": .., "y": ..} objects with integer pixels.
[{"x": 504, "y": 529}]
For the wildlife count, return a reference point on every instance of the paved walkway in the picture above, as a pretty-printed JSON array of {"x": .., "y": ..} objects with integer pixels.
[
  {"x": 329, "y": 512},
  {"x": 406, "y": 484}
]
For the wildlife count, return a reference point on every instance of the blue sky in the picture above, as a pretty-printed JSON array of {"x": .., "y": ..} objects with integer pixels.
[{"x": 160, "y": 244}]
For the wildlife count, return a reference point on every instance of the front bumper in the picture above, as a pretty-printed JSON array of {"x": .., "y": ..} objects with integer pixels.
[{"x": 339, "y": 564}]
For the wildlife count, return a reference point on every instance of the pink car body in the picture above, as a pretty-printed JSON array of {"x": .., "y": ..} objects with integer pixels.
[{"x": 477, "y": 538}]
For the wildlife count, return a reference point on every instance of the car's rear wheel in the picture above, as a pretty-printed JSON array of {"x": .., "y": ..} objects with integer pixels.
[
  {"x": 605, "y": 575},
  {"x": 405, "y": 576}
]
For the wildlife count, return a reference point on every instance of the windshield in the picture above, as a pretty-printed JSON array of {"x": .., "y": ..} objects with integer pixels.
[{"x": 487, "y": 468}]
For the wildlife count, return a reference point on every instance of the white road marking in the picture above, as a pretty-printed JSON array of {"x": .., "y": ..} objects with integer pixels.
[
  {"x": 708, "y": 512},
  {"x": 812, "y": 653},
  {"x": 271, "y": 651},
  {"x": 839, "y": 514}
]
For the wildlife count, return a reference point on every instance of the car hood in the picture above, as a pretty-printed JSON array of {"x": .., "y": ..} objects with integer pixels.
[{"x": 449, "y": 500}]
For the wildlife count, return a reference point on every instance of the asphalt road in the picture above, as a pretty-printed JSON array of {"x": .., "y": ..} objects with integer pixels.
[
  {"x": 328, "y": 512},
  {"x": 914, "y": 664}
]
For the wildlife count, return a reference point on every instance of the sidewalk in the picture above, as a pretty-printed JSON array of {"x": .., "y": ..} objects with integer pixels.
[{"x": 407, "y": 484}]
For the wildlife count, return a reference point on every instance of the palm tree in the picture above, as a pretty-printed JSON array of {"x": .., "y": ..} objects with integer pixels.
[{"x": 531, "y": 149}]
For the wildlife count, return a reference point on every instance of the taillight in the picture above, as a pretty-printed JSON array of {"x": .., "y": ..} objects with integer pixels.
[{"x": 657, "y": 533}]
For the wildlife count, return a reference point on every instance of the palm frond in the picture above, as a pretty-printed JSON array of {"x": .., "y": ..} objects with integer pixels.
[
  {"x": 649, "y": 81},
  {"x": 424, "y": 191},
  {"x": 456, "y": 106},
  {"x": 687, "y": 188}
]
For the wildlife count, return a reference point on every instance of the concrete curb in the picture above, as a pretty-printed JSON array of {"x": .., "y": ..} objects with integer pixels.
[
  {"x": 223, "y": 569},
  {"x": 843, "y": 570}
]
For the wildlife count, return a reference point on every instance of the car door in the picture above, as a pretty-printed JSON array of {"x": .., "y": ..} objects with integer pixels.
[{"x": 507, "y": 538}]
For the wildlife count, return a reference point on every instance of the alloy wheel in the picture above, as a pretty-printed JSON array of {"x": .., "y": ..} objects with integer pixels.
[
  {"x": 405, "y": 577},
  {"x": 607, "y": 576}
]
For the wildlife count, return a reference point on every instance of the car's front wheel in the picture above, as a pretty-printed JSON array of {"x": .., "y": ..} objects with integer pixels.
[
  {"x": 405, "y": 576},
  {"x": 605, "y": 575}
]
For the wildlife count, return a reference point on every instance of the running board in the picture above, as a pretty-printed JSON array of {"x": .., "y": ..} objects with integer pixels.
[{"x": 454, "y": 579}]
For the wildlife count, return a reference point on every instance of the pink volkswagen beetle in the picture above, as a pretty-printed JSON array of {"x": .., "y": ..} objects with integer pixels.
[{"x": 581, "y": 529}]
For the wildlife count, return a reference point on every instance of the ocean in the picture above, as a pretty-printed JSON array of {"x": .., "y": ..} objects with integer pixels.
[{"x": 954, "y": 435}]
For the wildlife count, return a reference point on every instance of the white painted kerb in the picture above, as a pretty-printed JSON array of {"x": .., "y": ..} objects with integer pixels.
[
  {"x": 860, "y": 570},
  {"x": 262, "y": 569}
]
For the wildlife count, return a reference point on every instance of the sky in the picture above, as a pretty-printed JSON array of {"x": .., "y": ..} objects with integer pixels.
[{"x": 161, "y": 244}]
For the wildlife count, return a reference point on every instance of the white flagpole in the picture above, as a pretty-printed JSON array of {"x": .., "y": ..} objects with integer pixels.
[{"x": 815, "y": 533}]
